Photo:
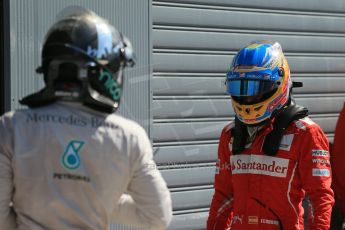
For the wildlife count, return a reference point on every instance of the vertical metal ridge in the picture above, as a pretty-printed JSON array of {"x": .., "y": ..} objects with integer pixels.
[
  {"x": 150, "y": 58},
  {"x": 22, "y": 53},
  {"x": 136, "y": 100}
]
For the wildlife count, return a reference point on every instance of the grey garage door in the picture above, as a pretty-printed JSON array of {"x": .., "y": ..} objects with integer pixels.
[{"x": 193, "y": 44}]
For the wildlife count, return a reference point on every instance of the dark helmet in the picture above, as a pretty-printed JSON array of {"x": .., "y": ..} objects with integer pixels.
[{"x": 83, "y": 58}]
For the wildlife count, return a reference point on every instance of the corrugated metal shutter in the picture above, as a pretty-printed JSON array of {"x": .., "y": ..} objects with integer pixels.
[{"x": 193, "y": 44}]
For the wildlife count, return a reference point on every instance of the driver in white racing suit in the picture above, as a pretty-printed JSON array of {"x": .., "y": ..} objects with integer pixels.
[{"x": 68, "y": 161}]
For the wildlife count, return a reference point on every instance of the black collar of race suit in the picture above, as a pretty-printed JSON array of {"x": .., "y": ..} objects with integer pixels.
[
  {"x": 41, "y": 98},
  {"x": 47, "y": 96},
  {"x": 272, "y": 140}
]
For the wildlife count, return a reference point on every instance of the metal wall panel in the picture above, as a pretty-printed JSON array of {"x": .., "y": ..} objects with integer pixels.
[
  {"x": 230, "y": 41},
  {"x": 184, "y": 200},
  {"x": 193, "y": 175},
  {"x": 202, "y": 62},
  {"x": 194, "y": 153},
  {"x": 212, "y": 84},
  {"x": 270, "y": 20},
  {"x": 30, "y": 20},
  {"x": 221, "y": 108},
  {"x": 304, "y": 7},
  {"x": 194, "y": 42},
  {"x": 210, "y": 130}
]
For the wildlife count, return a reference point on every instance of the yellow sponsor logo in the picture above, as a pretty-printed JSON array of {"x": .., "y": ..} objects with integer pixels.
[
  {"x": 253, "y": 46},
  {"x": 253, "y": 220}
]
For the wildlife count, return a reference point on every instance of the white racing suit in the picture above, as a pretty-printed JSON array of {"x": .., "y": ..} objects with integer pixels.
[{"x": 65, "y": 166}]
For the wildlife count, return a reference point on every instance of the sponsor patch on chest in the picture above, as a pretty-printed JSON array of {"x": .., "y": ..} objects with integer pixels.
[
  {"x": 253, "y": 220},
  {"x": 321, "y": 172},
  {"x": 285, "y": 143},
  {"x": 319, "y": 153},
  {"x": 262, "y": 165}
]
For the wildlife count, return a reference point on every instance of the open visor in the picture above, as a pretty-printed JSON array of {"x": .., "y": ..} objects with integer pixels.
[{"x": 246, "y": 87}]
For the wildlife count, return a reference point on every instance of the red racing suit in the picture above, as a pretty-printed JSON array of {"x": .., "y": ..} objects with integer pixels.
[
  {"x": 338, "y": 159},
  {"x": 257, "y": 191}
]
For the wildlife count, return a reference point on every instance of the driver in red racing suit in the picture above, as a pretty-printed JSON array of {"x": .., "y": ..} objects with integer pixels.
[
  {"x": 260, "y": 180},
  {"x": 338, "y": 160}
]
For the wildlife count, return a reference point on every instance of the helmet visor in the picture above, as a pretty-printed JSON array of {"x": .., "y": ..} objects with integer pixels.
[
  {"x": 250, "y": 92},
  {"x": 250, "y": 88}
]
